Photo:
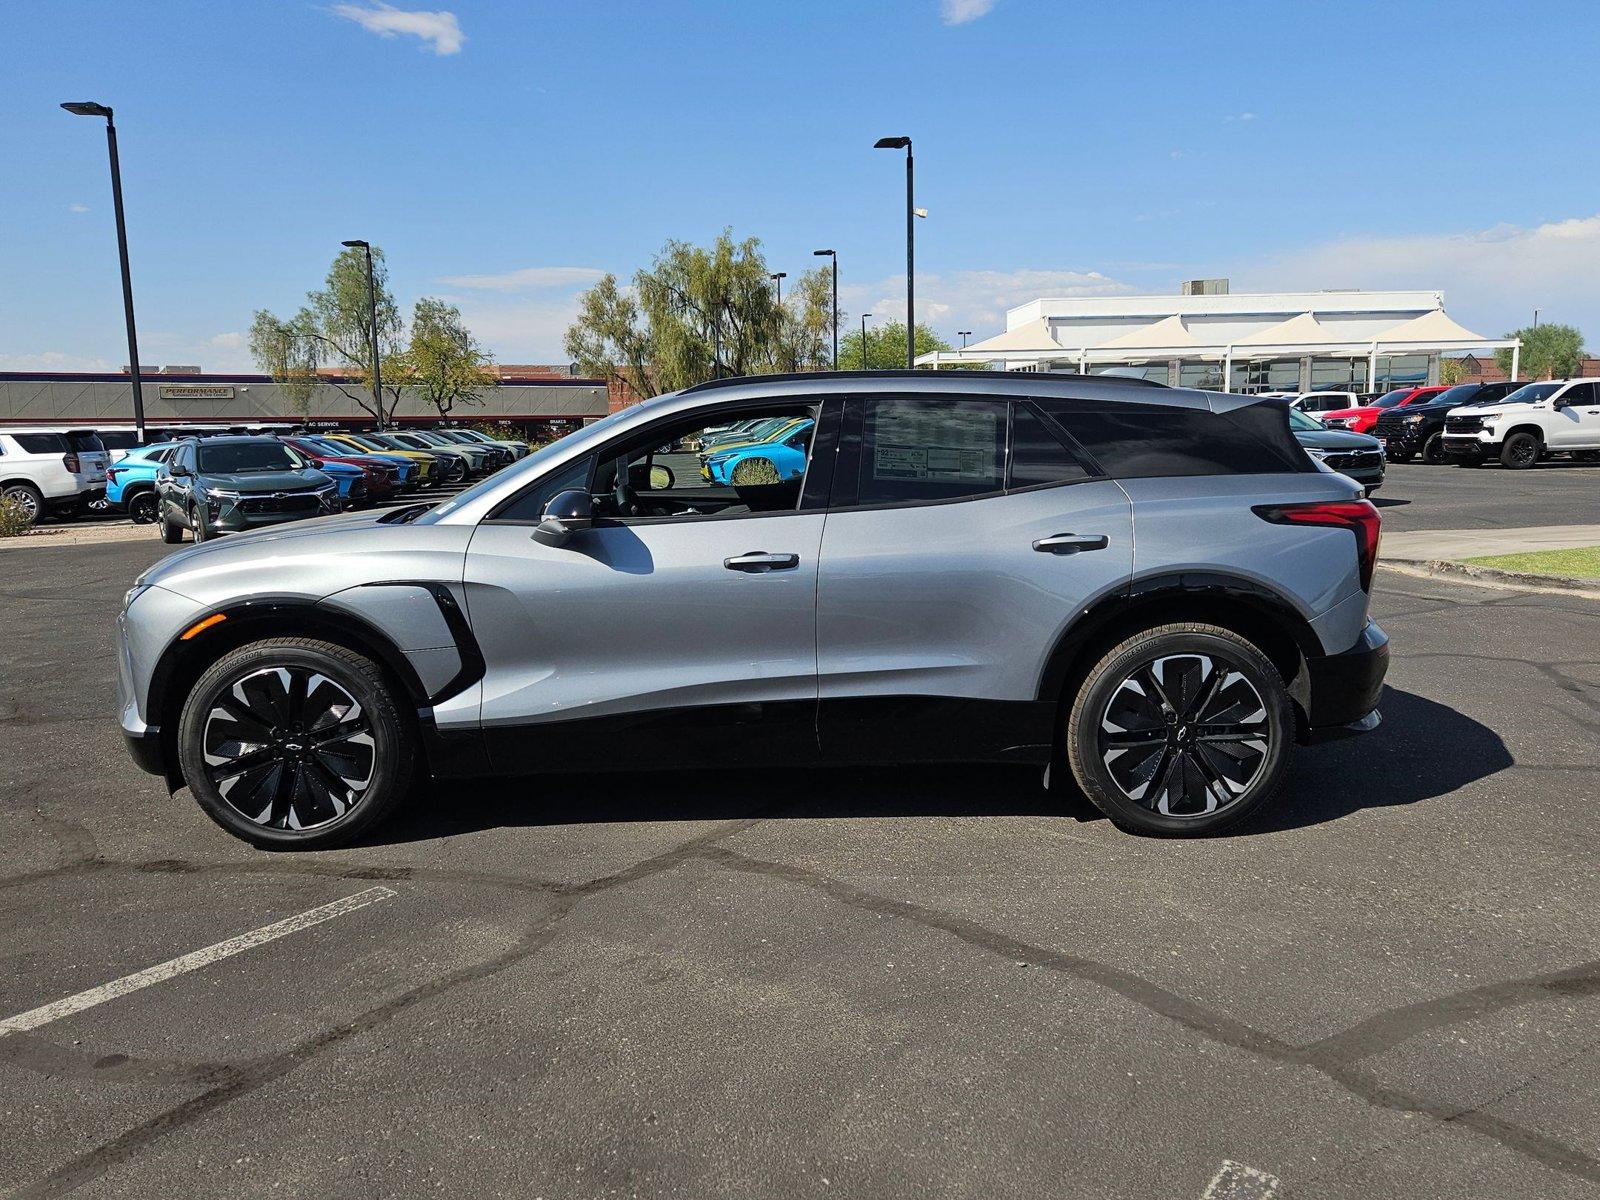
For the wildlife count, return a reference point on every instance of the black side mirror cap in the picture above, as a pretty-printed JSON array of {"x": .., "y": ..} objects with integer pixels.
[{"x": 566, "y": 514}]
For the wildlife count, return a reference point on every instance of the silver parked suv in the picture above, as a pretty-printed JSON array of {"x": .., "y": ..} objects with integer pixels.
[{"x": 1153, "y": 588}]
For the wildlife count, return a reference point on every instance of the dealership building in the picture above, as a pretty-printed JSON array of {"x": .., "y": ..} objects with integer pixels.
[
  {"x": 1206, "y": 337},
  {"x": 534, "y": 401}
]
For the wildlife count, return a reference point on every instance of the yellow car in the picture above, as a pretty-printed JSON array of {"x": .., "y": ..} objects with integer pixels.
[{"x": 429, "y": 472}]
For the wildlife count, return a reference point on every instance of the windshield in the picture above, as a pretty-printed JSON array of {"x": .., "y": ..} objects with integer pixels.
[
  {"x": 1302, "y": 422},
  {"x": 1532, "y": 392},
  {"x": 227, "y": 458},
  {"x": 1462, "y": 393},
  {"x": 1390, "y": 399}
]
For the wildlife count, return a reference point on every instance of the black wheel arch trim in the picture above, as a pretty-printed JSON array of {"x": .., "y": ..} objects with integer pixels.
[
  {"x": 1202, "y": 590},
  {"x": 276, "y": 616}
]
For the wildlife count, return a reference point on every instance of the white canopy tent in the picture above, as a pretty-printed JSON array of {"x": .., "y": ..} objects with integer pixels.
[{"x": 1034, "y": 345}]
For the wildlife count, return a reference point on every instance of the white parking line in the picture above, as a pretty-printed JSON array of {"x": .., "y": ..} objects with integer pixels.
[
  {"x": 1235, "y": 1181},
  {"x": 43, "y": 1015}
]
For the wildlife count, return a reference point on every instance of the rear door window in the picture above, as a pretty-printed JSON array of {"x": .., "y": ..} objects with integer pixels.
[
  {"x": 921, "y": 450},
  {"x": 1038, "y": 456},
  {"x": 41, "y": 443},
  {"x": 1132, "y": 441}
]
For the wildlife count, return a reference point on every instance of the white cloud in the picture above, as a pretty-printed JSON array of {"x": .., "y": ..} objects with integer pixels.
[
  {"x": 440, "y": 30},
  {"x": 227, "y": 341},
  {"x": 524, "y": 331},
  {"x": 1244, "y": 116},
  {"x": 78, "y": 208},
  {"x": 959, "y": 12},
  {"x": 975, "y": 300},
  {"x": 54, "y": 360},
  {"x": 1492, "y": 279},
  {"x": 527, "y": 279}
]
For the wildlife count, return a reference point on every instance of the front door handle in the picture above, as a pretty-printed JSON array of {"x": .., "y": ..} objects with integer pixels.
[
  {"x": 1071, "y": 543},
  {"x": 759, "y": 560}
]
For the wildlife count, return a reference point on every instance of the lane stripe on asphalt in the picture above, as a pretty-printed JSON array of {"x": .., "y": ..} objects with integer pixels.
[{"x": 183, "y": 964}]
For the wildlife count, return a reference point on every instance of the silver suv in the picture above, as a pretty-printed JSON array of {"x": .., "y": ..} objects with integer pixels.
[{"x": 1153, "y": 588}]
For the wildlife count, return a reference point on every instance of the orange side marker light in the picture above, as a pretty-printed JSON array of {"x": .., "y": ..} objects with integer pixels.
[{"x": 202, "y": 626}]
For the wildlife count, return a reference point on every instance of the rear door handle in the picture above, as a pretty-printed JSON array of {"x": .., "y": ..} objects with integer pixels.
[
  {"x": 1071, "y": 543},
  {"x": 759, "y": 560}
]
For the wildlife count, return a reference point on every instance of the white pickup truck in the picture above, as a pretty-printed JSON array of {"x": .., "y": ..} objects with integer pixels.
[
  {"x": 1533, "y": 422},
  {"x": 51, "y": 469}
]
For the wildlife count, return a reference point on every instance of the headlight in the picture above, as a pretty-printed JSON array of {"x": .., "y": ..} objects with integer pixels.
[
  {"x": 1415, "y": 419},
  {"x": 1317, "y": 454},
  {"x": 220, "y": 494}
]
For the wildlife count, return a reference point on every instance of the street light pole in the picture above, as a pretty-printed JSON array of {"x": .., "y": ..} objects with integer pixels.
[
  {"x": 833, "y": 317},
  {"x": 864, "y": 365},
  {"x": 372, "y": 308},
  {"x": 896, "y": 143},
  {"x": 963, "y": 334},
  {"x": 778, "y": 279},
  {"x": 1536, "y": 318},
  {"x": 88, "y": 108}
]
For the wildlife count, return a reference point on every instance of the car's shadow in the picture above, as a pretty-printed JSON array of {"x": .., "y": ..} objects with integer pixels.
[{"x": 1423, "y": 750}]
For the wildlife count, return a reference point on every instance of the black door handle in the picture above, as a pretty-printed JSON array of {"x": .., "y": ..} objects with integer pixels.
[{"x": 1071, "y": 543}]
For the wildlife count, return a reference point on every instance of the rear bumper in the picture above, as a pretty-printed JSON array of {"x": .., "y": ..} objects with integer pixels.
[{"x": 1344, "y": 688}]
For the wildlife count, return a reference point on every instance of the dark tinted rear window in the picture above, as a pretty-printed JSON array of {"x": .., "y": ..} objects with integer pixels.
[
  {"x": 119, "y": 439},
  {"x": 1038, "y": 455},
  {"x": 85, "y": 442},
  {"x": 1141, "y": 441},
  {"x": 41, "y": 443}
]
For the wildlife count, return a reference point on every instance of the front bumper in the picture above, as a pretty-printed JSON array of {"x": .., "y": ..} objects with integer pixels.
[
  {"x": 1470, "y": 445},
  {"x": 1344, "y": 688}
]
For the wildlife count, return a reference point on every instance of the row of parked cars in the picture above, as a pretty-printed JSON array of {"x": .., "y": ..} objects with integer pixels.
[
  {"x": 1513, "y": 422},
  {"x": 64, "y": 472}
]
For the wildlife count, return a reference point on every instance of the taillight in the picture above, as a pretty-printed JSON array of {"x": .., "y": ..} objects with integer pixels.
[
  {"x": 70, "y": 462},
  {"x": 1358, "y": 516},
  {"x": 111, "y": 473}
]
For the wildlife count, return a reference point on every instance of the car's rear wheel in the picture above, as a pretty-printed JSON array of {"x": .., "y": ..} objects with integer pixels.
[
  {"x": 1520, "y": 451},
  {"x": 1180, "y": 730},
  {"x": 142, "y": 508},
  {"x": 27, "y": 499},
  {"x": 295, "y": 744}
]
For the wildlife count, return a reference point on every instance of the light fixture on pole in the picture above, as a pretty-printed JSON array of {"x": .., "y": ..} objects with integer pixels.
[
  {"x": 777, "y": 279},
  {"x": 372, "y": 307},
  {"x": 963, "y": 334},
  {"x": 904, "y": 143},
  {"x": 88, "y": 108},
  {"x": 833, "y": 318}
]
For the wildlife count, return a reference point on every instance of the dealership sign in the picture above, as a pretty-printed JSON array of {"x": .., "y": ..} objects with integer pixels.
[{"x": 195, "y": 391}]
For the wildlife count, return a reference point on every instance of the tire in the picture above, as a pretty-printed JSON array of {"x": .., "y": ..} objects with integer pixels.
[
  {"x": 1433, "y": 449},
  {"x": 1208, "y": 788},
  {"x": 197, "y": 525},
  {"x": 29, "y": 497},
  {"x": 258, "y": 703},
  {"x": 455, "y": 473},
  {"x": 1520, "y": 451},
  {"x": 170, "y": 534},
  {"x": 143, "y": 507}
]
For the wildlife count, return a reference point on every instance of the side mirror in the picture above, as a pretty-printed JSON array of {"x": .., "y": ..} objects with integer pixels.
[
  {"x": 317, "y": 462},
  {"x": 1559, "y": 402},
  {"x": 178, "y": 471},
  {"x": 566, "y": 513}
]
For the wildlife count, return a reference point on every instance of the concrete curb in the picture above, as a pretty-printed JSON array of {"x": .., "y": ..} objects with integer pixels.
[
  {"x": 78, "y": 535},
  {"x": 1522, "y": 581}
]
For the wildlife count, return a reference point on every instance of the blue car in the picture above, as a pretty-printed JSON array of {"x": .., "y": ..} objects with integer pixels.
[
  {"x": 786, "y": 456},
  {"x": 131, "y": 481},
  {"x": 352, "y": 480}
]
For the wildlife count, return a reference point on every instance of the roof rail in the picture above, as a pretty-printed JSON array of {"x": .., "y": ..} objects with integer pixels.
[{"x": 904, "y": 373}]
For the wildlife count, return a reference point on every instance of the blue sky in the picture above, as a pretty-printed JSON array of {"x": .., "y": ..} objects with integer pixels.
[{"x": 504, "y": 154}]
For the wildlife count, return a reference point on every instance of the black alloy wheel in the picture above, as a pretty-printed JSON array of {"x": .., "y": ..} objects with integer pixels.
[
  {"x": 1433, "y": 449},
  {"x": 1182, "y": 729},
  {"x": 294, "y": 743},
  {"x": 1520, "y": 451},
  {"x": 142, "y": 508}
]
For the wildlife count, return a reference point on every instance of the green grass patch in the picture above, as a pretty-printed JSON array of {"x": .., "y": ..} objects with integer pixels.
[{"x": 1580, "y": 563}]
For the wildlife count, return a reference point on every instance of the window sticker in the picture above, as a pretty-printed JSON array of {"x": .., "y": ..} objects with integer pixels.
[{"x": 942, "y": 445}]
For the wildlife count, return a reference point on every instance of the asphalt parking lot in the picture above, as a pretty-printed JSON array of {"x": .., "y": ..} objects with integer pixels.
[{"x": 898, "y": 982}]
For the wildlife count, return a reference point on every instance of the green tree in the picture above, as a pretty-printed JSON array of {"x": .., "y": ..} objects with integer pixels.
[
  {"x": 1548, "y": 351},
  {"x": 698, "y": 312},
  {"x": 442, "y": 360},
  {"x": 885, "y": 347},
  {"x": 334, "y": 329}
]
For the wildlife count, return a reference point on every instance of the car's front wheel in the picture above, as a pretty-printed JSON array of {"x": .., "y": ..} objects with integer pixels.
[
  {"x": 1180, "y": 730},
  {"x": 1520, "y": 451},
  {"x": 1433, "y": 449},
  {"x": 295, "y": 744}
]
